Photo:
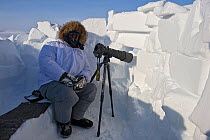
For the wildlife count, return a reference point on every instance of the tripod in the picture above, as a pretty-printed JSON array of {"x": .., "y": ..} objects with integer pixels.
[{"x": 106, "y": 64}]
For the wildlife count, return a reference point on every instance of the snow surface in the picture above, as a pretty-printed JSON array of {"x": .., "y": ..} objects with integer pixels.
[
  {"x": 172, "y": 8},
  {"x": 36, "y": 35},
  {"x": 154, "y": 95},
  {"x": 150, "y": 6}
]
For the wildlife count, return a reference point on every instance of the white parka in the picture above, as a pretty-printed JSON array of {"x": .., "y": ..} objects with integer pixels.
[{"x": 56, "y": 57}]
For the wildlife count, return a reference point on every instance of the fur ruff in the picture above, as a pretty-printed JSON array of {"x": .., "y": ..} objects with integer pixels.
[{"x": 71, "y": 26}]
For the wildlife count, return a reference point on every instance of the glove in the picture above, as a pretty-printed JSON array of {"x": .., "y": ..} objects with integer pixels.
[
  {"x": 80, "y": 82},
  {"x": 67, "y": 79}
]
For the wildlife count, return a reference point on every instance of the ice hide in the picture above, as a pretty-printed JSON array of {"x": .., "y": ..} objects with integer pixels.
[{"x": 172, "y": 61}]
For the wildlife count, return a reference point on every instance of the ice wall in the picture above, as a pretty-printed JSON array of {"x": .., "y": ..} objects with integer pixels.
[
  {"x": 167, "y": 76},
  {"x": 171, "y": 48}
]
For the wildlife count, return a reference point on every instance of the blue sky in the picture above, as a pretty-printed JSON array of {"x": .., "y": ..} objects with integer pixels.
[{"x": 22, "y": 15}]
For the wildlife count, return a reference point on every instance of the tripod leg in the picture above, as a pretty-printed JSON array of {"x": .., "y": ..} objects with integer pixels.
[
  {"x": 102, "y": 99},
  {"x": 110, "y": 89},
  {"x": 95, "y": 72}
]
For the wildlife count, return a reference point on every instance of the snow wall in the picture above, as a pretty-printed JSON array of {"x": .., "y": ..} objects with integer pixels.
[
  {"x": 155, "y": 94},
  {"x": 171, "y": 66}
]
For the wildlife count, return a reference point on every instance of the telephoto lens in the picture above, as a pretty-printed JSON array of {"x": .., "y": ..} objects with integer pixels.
[{"x": 100, "y": 50}]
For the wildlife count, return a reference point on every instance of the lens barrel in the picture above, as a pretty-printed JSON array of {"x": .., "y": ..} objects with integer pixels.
[{"x": 100, "y": 50}]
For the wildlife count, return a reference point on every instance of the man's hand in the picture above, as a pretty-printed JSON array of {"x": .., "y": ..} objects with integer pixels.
[
  {"x": 67, "y": 79},
  {"x": 80, "y": 82}
]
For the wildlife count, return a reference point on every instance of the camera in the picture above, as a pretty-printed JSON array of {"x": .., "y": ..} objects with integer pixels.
[{"x": 100, "y": 50}]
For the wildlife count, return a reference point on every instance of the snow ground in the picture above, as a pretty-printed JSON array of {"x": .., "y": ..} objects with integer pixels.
[{"x": 153, "y": 96}]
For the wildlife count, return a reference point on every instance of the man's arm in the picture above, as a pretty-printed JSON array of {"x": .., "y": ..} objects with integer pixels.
[
  {"x": 86, "y": 71},
  {"x": 47, "y": 63}
]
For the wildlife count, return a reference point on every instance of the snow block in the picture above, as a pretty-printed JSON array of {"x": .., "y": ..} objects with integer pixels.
[
  {"x": 191, "y": 42},
  {"x": 190, "y": 73},
  {"x": 150, "y": 6},
  {"x": 169, "y": 32},
  {"x": 130, "y": 22},
  {"x": 172, "y": 8},
  {"x": 112, "y": 35},
  {"x": 157, "y": 11},
  {"x": 37, "y": 45},
  {"x": 11, "y": 38},
  {"x": 152, "y": 20},
  {"x": 110, "y": 20},
  {"x": 147, "y": 62},
  {"x": 134, "y": 40},
  {"x": 160, "y": 84},
  {"x": 51, "y": 30},
  {"x": 198, "y": 135},
  {"x": 20, "y": 38},
  {"x": 188, "y": 6},
  {"x": 96, "y": 26},
  {"x": 180, "y": 102},
  {"x": 36, "y": 35},
  {"x": 48, "y": 40},
  {"x": 206, "y": 26},
  {"x": 152, "y": 43},
  {"x": 201, "y": 114},
  {"x": 11, "y": 64},
  {"x": 139, "y": 78}
]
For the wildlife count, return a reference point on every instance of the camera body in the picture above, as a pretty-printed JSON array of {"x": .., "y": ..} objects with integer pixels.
[{"x": 100, "y": 50}]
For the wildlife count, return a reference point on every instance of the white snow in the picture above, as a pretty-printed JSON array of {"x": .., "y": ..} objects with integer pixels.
[
  {"x": 11, "y": 64},
  {"x": 190, "y": 73},
  {"x": 112, "y": 35},
  {"x": 154, "y": 95},
  {"x": 110, "y": 19},
  {"x": 132, "y": 39},
  {"x": 95, "y": 25},
  {"x": 201, "y": 113},
  {"x": 152, "y": 43},
  {"x": 157, "y": 11},
  {"x": 36, "y": 35},
  {"x": 150, "y": 6},
  {"x": 170, "y": 31},
  {"x": 51, "y": 30},
  {"x": 182, "y": 104},
  {"x": 37, "y": 45},
  {"x": 11, "y": 38},
  {"x": 172, "y": 8},
  {"x": 130, "y": 22},
  {"x": 20, "y": 38},
  {"x": 152, "y": 20},
  {"x": 206, "y": 26}
]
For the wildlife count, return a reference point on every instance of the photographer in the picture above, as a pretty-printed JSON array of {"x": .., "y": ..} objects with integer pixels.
[{"x": 64, "y": 78}]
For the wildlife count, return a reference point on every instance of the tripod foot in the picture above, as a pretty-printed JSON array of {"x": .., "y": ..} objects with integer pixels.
[{"x": 98, "y": 134}]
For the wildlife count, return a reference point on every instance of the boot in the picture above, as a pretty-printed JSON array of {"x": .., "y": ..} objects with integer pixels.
[
  {"x": 64, "y": 129},
  {"x": 85, "y": 123}
]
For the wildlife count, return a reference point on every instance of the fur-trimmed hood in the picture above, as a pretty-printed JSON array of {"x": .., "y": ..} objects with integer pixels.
[{"x": 71, "y": 26}]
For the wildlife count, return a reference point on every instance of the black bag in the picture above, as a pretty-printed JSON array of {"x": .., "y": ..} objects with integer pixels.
[{"x": 35, "y": 97}]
